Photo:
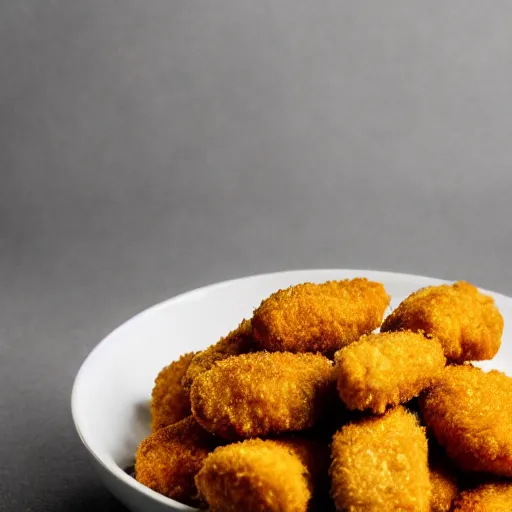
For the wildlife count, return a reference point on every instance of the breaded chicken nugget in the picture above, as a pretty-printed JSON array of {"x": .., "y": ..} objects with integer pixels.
[
  {"x": 319, "y": 317},
  {"x": 169, "y": 401},
  {"x": 239, "y": 341},
  {"x": 387, "y": 369},
  {"x": 380, "y": 465},
  {"x": 470, "y": 414},
  {"x": 262, "y": 393},
  {"x": 262, "y": 476},
  {"x": 492, "y": 497},
  {"x": 466, "y": 322},
  {"x": 444, "y": 487},
  {"x": 167, "y": 461}
]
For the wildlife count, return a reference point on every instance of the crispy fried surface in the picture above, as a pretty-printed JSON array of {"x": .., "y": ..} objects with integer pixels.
[
  {"x": 319, "y": 317},
  {"x": 387, "y": 369},
  {"x": 169, "y": 401},
  {"x": 470, "y": 414},
  {"x": 493, "y": 497},
  {"x": 466, "y": 322},
  {"x": 239, "y": 341},
  {"x": 262, "y": 393},
  {"x": 260, "y": 476},
  {"x": 380, "y": 464},
  {"x": 168, "y": 460},
  {"x": 444, "y": 487}
]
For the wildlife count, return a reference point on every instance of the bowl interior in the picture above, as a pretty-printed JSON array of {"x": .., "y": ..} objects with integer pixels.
[{"x": 112, "y": 390}]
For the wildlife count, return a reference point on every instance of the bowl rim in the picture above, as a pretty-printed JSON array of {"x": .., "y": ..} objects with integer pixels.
[{"x": 109, "y": 465}]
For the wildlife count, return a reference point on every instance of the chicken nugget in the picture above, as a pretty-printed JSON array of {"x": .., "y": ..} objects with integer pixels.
[
  {"x": 380, "y": 464},
  {"x": 470, "y": 414},
  {"x": 169, "y": 401},
  {"x": 239, "y": 341},
  {"x": 491, "y": 497},
  {"x": 466, "y": 322},
  {"x": 262, "y": 393},
  {"x": 319, "y": 317},
  {"x": 168, "y": 460},
  {"x": 444, "y": 486},
  {"x": 262, "y": 475},
  {"x": 387, "y": 369}
]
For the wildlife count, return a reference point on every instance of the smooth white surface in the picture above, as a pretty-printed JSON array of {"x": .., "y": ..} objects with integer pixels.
[{"x": 112, "y": 390}]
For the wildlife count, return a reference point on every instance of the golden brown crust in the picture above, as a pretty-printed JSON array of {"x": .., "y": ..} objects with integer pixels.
[
  {"x": 239, "y": 341},
  {"x": 492, "y": 497},
  {"x": 262, "y": 393},
  {"x": 466, "y": 322},
  {"x": 168, "y": 460},
  {"x": 260, "y": 476},
  {"x": 387, "y": 369},
  {"x": 380, "y": 465},
  {"x": 470, "y": 414},
  {"x": 444, "y": 488},
  {"x": 319, "y": 317},
  {"x": 169, "y": 401}
]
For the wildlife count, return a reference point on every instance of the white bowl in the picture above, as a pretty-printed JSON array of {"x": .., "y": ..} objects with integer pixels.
[{"x": 110, "y": 400}]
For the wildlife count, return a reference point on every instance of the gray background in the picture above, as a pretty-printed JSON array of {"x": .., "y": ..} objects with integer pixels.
[{"x": 149, "y": 147}]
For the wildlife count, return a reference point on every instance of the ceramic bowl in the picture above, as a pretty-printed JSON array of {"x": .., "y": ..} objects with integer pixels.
[{"x": 110, "y": 400}]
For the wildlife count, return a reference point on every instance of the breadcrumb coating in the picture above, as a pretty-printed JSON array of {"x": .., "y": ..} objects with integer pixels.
[
  {"x": 169, "y": 401},
  {"x": 262, "y": 393},
  {"x": 168, "y": 460},
  {"x": 272, "y": 376},
  {"x": 262, "y": 475},
  {"x": 444, "y": 488},
  {"x": 387, "y": 369},
  {"x": 319, "y": 317},
  {"x": 380, "y": 465},
  {"x": 492, "y": 497},
  {"x": 466, "y": 322},
  {"x": 470, "y": 414},
  {"x": 239, "y": 341}
]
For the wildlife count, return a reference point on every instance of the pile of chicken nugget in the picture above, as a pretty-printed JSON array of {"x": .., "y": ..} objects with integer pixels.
[{"x": 305, "y": 407}]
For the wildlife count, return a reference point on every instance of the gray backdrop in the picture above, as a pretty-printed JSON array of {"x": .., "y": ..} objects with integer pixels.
[{"x": 149, "y": 147}]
